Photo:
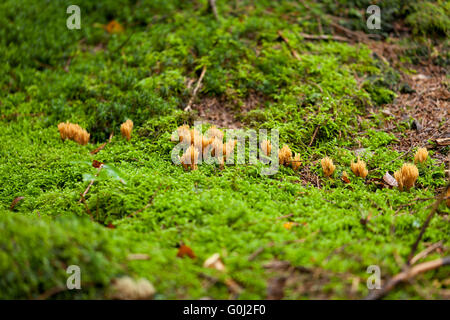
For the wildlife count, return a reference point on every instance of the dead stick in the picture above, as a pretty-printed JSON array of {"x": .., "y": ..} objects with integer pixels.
[
  {"x": 323, "y": 37},
  {"x": 407, "y": 275},
  {"x": 103, "y": 145},
  {"x": 90, "y": 184},
  {"x": 194, "y": 93},
  {"x": 294, "y": 53},
  {"x": 213, "y": 8},
  {"x": 427, "y": 222},
  {"x": 426, "y": 252},
  {"x": 313, "y": 136}
]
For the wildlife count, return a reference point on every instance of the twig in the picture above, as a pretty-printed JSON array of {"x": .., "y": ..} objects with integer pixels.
[
  {"x": 313, "y": 136},
  {"x": 323, "y": 37},
  {"x": 212, "y": 6},
  {"x": 194, "y": 93},
  {"x": 294, "y": 53},
  {"x": 103, "y": 145},
  {"x": 427, "y": 222},
  {"x": 407, "y": 275},
  {"x": 86, "y": 206},
  {"x": 90, "y": 184},
  {"x": 426, "y": 252}
]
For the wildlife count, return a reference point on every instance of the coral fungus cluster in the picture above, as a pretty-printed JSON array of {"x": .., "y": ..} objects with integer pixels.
[
  {"x": 359, "y": 168},
  {"x": 406, "y": 177},
  {"x": 212, "y": 142},
  {"x": 126, "y": 129},
  {"x": 327, "y": 166},
  {"x": 421, "y": 155},
  {"x": 73, "y": 132}
]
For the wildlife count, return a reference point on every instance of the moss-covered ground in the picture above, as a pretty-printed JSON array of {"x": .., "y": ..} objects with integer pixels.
[{"x": 319, "y": 101}]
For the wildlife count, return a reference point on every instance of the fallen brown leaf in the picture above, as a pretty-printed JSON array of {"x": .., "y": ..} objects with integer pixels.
[
  {"x": 184, "y": 250},
  {"x": 15, "y": 201}
]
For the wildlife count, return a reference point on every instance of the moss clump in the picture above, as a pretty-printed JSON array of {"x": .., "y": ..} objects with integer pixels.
[{"x": 35, "y": 254}]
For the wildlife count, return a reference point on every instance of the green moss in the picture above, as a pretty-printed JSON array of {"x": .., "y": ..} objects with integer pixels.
[
  {"x": 35, "y": 253},
  {"x": 144, "y": 74}
]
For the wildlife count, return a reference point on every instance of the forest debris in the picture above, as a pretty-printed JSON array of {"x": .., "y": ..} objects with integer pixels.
[
  {"x": 194, "y": 93},
  {"x": 359, "y": 168},
  {"x": 275, "y": 288},
  {"x": 426, "y": 252},
  {"x": 138, "y": 256},
  {"x": 293, "y": 51},
  {"x": 407, "y": 175},
  {"x": 185, "y": 250},
  {"x": 213, "y": 8},
  {"x": 427, "y": 221},
  {"x": 327, "y": 166},
  {"x": 415, "y": 125},
  {"x": 126, "y": 129},
  {"x": 443, "y": 141},
  {"x": 97, "y": 164},
  {"x": 103, "y": 145},
  {"x": 90, "y": 182},
  {"x": 421, "y": 155},
  {"x": 15, "y": 201},
  {"x": 407, "y": 275},
  {"x": 390, "y": 180},
  {"x": 126, "y": 288},
  {"x": 323, "y": 37},
  {"x": 114, "y": 27},
  {"x": 214, "y": 262},
  {"x": 345, "y": 177}
]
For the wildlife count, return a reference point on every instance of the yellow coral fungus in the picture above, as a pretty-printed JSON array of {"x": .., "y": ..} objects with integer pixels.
[
  {"x": 266, "y": 147},
  {"x": 126, "y": 129},
  {"x": 213, "y": 132},
  {"x": 190, "y": 158},
  {"x": 327, "y": 166},
  {"x": 421, "y": 155},
  {"x": 359, "y": 168},
  {"x": 73, "y": 132},
  {"x": 406, "y": 177},
  {"x": 284, "y": 155},
  {"x": 228, "y": 148},
  {"x": 182, "y": 132},
  {"x": 295, "y": 162}
]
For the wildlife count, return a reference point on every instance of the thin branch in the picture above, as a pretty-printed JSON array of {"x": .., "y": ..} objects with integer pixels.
[
  {"x": 323, "y": 37},
  {"x": 212, "y": 6},
  {"x": 103, "y": 145},
  {"x": 407, "y": 275},
  {"x": 313, "y": 136},
  {"x": 90, "y": 184},
  {"x": 194, "y": 93},
  {"x": 427, "y": 222},
  {"x": 294, "y": 53},
  {"x": 426, "y": 252}
]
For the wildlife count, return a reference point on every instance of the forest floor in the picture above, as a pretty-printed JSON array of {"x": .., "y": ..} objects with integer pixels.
[{"x": 119, "y": 208}]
